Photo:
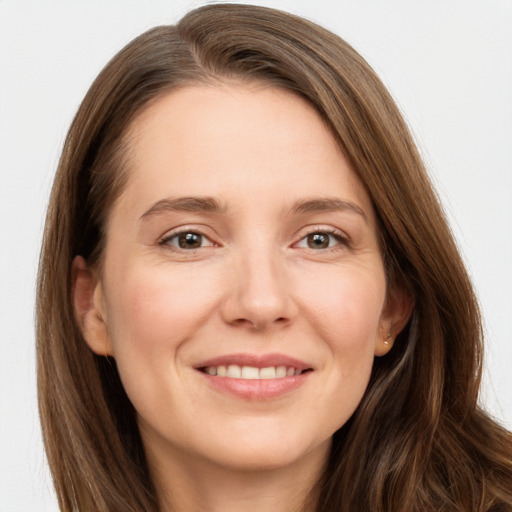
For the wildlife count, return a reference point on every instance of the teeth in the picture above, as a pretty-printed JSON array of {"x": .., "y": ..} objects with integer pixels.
[
  {"x": 249, "y": 372},
  {"x": 234, "y": 371},
  {"x": 280, "y": 371},
  {"x": 268, "y": 373}
]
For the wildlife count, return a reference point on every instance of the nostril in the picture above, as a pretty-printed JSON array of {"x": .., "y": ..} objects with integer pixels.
[
  {"x": 241, "y": 321},
  {"x": 258, "y": 323}
]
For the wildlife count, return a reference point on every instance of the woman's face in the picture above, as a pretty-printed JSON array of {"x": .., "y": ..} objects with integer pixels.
[{"x": 243, "y": 293}]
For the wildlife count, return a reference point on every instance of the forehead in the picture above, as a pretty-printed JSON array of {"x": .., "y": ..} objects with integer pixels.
[{"x": 238, "y": 142}]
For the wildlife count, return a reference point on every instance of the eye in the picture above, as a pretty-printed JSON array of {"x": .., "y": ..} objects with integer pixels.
[
  {"x": 187, "y": 240},
  {"x": 321, "y": 240}
]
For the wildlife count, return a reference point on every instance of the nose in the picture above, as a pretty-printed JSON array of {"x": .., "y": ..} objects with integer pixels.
[{"x": 259, "y": 296}]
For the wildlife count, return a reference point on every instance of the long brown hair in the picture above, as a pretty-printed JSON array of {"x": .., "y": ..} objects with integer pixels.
[{"x": 418, "y": 441}]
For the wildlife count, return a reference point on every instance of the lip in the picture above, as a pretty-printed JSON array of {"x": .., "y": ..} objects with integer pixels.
[
  {"x": 255, "y": 389},
  {"x": 256, "y": 360}
]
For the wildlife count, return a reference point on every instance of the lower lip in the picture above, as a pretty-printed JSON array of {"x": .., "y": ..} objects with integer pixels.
[{"x": 257, "y": 389}]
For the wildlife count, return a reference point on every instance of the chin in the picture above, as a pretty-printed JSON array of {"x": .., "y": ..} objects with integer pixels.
[{"x": 263, "y": 452}]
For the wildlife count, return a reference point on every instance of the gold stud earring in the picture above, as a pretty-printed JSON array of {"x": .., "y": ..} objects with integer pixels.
[{"x": 386, "y": 341}]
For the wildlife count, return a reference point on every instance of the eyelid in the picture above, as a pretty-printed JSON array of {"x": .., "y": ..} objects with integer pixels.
[
  {"x": 169, "y": 235},
  {"x": 341, "y": 236}
]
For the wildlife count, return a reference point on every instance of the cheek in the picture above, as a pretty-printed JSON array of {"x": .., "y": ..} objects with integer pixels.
[
  {"x": 151, "y": 316},
  {"x": 345, "y": 305},
  {"x": 156, "y": 309},
  {"x": 344, "y": 309}
]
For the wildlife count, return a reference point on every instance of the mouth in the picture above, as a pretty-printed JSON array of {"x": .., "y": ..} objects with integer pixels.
[
  {"x": 234, "y": 371},
  {"x": 255, "y": 377}
]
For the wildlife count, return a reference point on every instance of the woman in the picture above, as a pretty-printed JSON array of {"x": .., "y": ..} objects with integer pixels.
[{"x": 248, "y": 293}]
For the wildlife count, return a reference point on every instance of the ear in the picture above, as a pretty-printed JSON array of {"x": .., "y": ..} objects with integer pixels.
[
  {"x": 395, "y": 315},
  {"x": 89, "y": 307}
]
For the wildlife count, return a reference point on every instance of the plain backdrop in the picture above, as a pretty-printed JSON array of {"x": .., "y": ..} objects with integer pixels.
[{"x": 448, "y": 63}]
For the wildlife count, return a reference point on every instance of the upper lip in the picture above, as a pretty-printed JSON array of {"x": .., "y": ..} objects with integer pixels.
[{"x": 255, "y": 360}]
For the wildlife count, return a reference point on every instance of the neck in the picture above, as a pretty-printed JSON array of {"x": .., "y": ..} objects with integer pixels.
[{"x": 188, "y": 484}]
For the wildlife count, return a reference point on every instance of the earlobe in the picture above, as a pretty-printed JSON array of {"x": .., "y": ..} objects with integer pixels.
[
  {"x": 89, "y": 307},
  {"x": 384, "y": 344},
  {"x": 396, "y": 314}
]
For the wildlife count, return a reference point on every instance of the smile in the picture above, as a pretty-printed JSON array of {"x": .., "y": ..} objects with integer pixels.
[
  {"x": 255, "y": 377},
  {"x": 234, "y": 371}
]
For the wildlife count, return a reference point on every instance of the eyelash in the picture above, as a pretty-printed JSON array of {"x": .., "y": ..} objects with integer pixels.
[
  {"x": 340, "y": 238},
  {"x": 165, "y": 241}
]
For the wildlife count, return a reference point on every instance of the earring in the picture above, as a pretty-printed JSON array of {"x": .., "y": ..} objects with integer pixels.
[{"x": 386, "y": 341}]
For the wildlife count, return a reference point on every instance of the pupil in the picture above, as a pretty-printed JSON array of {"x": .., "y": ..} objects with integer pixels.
[
  {"x": 318, "y": 241},
  {"x": 190, "y": 241}
]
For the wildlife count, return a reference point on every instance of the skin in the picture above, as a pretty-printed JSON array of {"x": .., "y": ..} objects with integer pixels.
[{"x": 257, "y": 284}]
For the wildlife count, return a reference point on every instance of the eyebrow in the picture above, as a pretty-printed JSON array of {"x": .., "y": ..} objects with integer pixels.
[
  {"x": 327, "y": 204},
  {"x": 205, "y": 204},
  {"x": 185, "y": 204}
]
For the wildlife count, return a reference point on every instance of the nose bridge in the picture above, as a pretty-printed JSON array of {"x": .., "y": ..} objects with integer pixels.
[{"x": 260, "y": 295}]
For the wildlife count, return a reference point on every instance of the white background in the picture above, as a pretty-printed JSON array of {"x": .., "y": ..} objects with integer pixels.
[{"x": 447, "y": 62}]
